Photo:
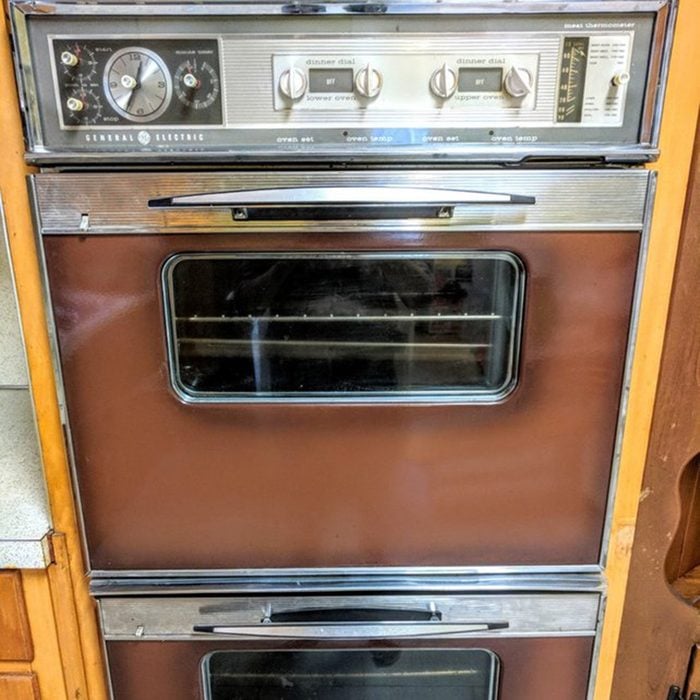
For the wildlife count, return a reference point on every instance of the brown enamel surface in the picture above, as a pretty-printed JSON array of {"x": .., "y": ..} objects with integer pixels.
[
  {"x": 659, "y": 628},
  {"x": 531, "y": 669},
  {"x": 167, "y": 485}
]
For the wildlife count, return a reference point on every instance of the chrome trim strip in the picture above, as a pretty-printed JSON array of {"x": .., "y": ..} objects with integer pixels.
[
  {"x": 629, "y": 362},
  {"x": 56, "y": 367},
  {"x": 586, "y": 154},
  {"x": 24, "y": 73},
  {"x": 595, "y": 660},
  {"x": 506, "y": 614},
  {"x": 664, "y": 41},
  {"x": 167, "y": 7},
  {"x": 347, "y": 581},
  {"x": 610, "y": 199}
]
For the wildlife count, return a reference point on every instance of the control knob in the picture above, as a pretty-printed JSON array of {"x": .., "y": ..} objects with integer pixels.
[
  {"x": 443, "y": 82},
  {"x": 518, "y": 82},
  {"x": 368, "y": 82},
  {"x": 68, "y": 58},
  {"x": 293, "y": 83},
  {"x": 74, "y": 104},
  {"x": 620, "y": 79}
]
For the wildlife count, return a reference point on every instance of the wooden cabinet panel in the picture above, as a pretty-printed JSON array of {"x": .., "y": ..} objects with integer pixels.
[
  {"x": 15, "y": 636},
  {"x": 661, "y": 621},
  {"x": 19, "y": 686}
]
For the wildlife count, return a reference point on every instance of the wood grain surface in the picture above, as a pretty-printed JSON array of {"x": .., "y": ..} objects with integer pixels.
[
  {"x": 659, "y": 627},
  {"x": 15, "y": 637},
  {"x": 19, "y": 686},
  {"x": 677, "y": 134}
]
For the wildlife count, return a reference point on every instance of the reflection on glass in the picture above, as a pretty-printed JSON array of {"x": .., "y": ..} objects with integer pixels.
[
  {"x": 380, "y": 674},
  {"x": 332, "y": 324}
]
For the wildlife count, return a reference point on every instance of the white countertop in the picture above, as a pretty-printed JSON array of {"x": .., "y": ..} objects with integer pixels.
[{"x": 24, "y": 511}]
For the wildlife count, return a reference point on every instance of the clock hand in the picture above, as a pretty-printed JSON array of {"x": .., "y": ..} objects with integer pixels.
[{"x": 136, "y": 85}]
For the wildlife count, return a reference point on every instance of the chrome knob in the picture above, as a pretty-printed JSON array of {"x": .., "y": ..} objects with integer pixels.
[
  {"x": 443, "y": 82},
  {"x": 293, "y": 83},
  {"x": 128, "y": 82},
  {"x": 368, "y": 82},
  {"x": 190, "y": 81},
  {"x": 75, "y": 105},
  {"x": 620, "y": 79},
  {"x": 69, "y": 59},
  {"x": 518, "y": 82}
]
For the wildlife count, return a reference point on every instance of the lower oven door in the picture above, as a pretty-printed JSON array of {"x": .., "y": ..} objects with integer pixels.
[
  {"x": 479, "y": 647},
  {"x": 335, "y": 393}
]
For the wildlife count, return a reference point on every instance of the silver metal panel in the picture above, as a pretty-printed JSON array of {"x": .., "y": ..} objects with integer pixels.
[
  {"x": 405, "y": 122},
  {"x": 405, "y": 99},
  {"x": 566, "y": 200},
  {"x": 170, "y": 618},
  {"x": 346, "y": 581},
  {"x": 274, "y": 7}
]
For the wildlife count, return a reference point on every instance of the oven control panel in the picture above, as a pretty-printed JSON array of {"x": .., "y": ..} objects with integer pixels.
[
  {"x": 134, "y": 81},
  {"x": 591, "y": 78},
  {"x": 230, "y": 86}
]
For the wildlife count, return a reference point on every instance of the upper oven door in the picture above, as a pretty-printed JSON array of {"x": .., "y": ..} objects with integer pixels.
[{"x": 342, "y": 391}]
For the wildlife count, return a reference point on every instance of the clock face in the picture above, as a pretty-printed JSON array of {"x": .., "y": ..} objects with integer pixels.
[{"x": 137, "y": 84}]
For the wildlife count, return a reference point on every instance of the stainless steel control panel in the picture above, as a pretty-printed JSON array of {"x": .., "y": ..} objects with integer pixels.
[{"x": 500, "y": 82}]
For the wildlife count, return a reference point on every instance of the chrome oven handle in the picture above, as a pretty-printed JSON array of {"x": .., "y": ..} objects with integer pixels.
[
  {"x": 350, "y": 630},
  {"x": 339, "y": 202}
]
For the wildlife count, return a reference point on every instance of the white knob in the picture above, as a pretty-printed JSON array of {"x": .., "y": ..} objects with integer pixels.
[
  {"x": 443, "y": 82},
  {"x": 368, "y": 82},
  {"x": 518, "y": 82},
  {"x": 128, "y": 82},
  {"x": 620, "y": 79},
  {"x": 190, "y": 80},
  {"x": 293, "y": 83},
  {"x": 69, "y": 59},
  {"x": 75, "y": 105}
]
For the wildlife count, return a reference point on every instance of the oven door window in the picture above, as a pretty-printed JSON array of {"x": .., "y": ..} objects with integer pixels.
[
  {"x": 381, "y": 674},
  {"x": 364, "y": 326}
]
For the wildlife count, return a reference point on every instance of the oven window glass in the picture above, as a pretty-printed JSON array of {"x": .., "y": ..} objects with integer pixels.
[
  {"x": 344, "y": 326},
  {"x": 381, "y": 674}
]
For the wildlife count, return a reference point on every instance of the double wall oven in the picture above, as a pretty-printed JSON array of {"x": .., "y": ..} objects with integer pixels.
[{"x": 344, "y": 300}]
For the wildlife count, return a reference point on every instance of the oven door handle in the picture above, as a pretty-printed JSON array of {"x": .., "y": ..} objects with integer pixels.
[
  {"x": 352, "y": 630},
  {"x": 334, "y": 203}
]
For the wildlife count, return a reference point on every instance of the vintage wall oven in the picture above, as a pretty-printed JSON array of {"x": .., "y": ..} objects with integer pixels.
[{"x": 343, "y": 300}]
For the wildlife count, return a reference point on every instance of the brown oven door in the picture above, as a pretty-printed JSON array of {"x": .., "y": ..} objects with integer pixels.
[{"x": 377, "y": 399}]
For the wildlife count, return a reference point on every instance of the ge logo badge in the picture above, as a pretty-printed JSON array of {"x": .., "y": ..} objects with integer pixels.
[{"x": 144, "y": 138}]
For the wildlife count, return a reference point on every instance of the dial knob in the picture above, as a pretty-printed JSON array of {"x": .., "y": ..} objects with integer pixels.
[
  {"x": 518, "y": 82},
  {"x": 68, "y": 58},
  {"x": 443, "y": 82},
  {"x": 75, "y": 104},
  {"x": 620, "y": 79},
  {"x": 190, "y": 81},
  {"x": 128, "y": 82},
  {"x": 368, "y": 82},
  {"x": 293, "y": 83}
]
